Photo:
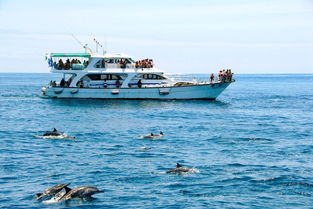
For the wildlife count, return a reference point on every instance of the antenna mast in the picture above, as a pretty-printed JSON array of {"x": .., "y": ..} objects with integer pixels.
[
  {"x": 98, "y": 44},
  {"x": 84, "y": 46}
]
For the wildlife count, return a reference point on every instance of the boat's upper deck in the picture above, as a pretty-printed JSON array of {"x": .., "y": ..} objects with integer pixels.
[{"x": 77, "y": 62}]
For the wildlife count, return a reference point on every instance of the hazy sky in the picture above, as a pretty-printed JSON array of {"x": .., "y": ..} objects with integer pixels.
[{"x": 198, "y": 36}]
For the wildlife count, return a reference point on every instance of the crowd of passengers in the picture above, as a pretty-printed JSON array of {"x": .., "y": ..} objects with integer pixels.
[
  {"x": 63, "y": 83},
  {"x": 122, "y": 62},
  {"x": 146, "y": 63},
  {"x": 68, "y": 64},
  {"x": 224, "y": 75}
]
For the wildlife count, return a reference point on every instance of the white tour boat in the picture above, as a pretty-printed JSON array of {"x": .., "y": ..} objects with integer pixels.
[{"x": 118, "y": 76}]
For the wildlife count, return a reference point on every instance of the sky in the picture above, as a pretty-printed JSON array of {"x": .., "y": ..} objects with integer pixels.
[{"x": 198, "y": 36}]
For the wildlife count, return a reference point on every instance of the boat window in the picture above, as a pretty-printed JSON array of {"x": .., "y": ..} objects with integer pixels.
[
  {"x": 152, "y": 77},
  {"x": 104, "y": 77},
  {"x": 114, "y": 77},
  {"x": 95, "y": 76}
]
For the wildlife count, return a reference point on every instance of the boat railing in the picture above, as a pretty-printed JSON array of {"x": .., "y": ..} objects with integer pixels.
[
  {"x": 71, "y": 67},
  {"x": 121, "y": 66}
]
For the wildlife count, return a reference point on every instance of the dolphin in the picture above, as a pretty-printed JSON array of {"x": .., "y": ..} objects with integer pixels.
[
  {"x": 181, "y": 169},
  {"x": 80, "y": 192},
  {"x": 52, "y": 133},
  {"x": 52, "y": 191},
  {"x": 150, "y": 136},
  {"x": 153, "y": 136},
  {"x": 55, "y": 134},
  {"x": 161, "y": 134}
]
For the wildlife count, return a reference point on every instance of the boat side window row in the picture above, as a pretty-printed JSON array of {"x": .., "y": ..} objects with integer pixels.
[
  {"x": 104, "y": 77},
  {"x": 152, "y": 77}
]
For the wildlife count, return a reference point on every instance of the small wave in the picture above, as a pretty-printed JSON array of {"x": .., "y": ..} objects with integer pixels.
[
  {"x": 236, "y": 165},
  {"x": 298, "y": 183},
  {"x": 243, "y": 178},
  {"x": 56, "y": 174},
  {"x": 144, "y": 148},
  {"x": 255, "y": 139},
  {"x": 303, "y": 193},
  {"x": 273, "y": 179},
  {"x": 192, "y": 194}
]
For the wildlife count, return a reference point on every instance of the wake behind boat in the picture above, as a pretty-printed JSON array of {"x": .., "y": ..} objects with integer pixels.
[{"x": 118, "y": 76}]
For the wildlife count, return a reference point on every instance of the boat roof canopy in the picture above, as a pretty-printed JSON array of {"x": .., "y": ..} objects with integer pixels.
[{"x": 70, "y": 55}]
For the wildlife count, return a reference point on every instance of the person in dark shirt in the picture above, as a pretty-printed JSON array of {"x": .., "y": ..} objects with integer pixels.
[
  {"x": 62, "y": 82},
  {"x": 139, "y": 83}
]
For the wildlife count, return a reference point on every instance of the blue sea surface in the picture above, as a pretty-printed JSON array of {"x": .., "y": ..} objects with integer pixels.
[{"x": 253, "y": 146}]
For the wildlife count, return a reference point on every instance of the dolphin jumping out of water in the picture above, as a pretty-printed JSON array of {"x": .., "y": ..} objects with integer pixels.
[
  {"x": 181, "y": 169},
  {"x": 80, "y": 192},
  {"x": 52, "y": 191}
]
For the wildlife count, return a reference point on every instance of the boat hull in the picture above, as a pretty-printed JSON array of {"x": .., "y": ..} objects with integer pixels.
[{"x": 201, "y": 91}]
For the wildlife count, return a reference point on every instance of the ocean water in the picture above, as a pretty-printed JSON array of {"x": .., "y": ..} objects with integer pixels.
[{"x": 253, "y": 146}]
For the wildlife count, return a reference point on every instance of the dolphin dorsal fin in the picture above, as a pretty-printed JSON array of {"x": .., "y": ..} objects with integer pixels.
[
  {"x": 178, "y": 165},
  {"x": 67, "y": 189}
]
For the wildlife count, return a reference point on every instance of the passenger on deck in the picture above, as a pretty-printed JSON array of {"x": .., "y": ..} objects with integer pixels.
[
  {"x": 102, "y": 63},
  {"x": 86, "y": 63},
  {"x": 139, "y": 83},
  {"x": 62, "y": 82},
  {"x": 81, "y": 85},
  {"x": 118, "y": 83},
  {"x": 212, "y": 77},
  {"x": 151, "y": 63},
  {"x": 105, "y": 85},
  {"x": 69, "y": 81},
  {"x": 123, "y": 63},
  {"x": 61, "y": 64},
  {"x": 67, "y": 65}
]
